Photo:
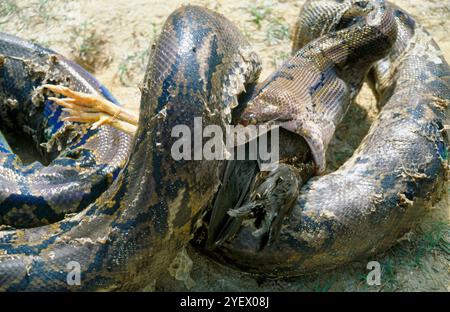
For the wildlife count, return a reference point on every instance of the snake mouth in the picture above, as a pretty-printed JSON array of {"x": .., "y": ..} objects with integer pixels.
[{"x": 347, "y": 137}]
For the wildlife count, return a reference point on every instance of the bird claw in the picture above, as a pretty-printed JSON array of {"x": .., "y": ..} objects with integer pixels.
[
  {"x": 84, "y": 100},
  {"x": 90, "y": 108}
]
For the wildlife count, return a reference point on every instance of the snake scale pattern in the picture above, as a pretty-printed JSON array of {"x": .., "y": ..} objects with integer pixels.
[
  {"x": 125, "y": 239},
  {"x": 81, "y": 162}
]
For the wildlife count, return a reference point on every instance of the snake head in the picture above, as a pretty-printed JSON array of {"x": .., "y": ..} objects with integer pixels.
[{"x": 316, "y": 133}]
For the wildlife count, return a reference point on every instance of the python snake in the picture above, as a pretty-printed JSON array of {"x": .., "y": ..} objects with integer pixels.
[{"x": 131, "y": 233}]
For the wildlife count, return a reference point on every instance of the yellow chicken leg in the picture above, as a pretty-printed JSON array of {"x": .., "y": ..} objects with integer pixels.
[{"x": 90, "y": 108}]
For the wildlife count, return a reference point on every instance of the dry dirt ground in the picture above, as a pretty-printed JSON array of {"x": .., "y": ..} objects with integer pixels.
[{"x": 112, "y": 40}]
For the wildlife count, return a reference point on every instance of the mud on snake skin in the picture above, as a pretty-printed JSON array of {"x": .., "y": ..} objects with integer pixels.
[{"x": 146, "y": 212}]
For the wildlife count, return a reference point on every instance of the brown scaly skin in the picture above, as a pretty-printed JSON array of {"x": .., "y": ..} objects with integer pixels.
[
  {"x": 388, "y": 184},
  {"x": 311, "y": 92},
  {"x": 132, "y": 234}
]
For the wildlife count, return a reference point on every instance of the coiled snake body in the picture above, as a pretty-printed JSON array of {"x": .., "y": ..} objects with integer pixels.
[
  {"x": 129, "y": 235},
  {"x": 81, "y": 163}
]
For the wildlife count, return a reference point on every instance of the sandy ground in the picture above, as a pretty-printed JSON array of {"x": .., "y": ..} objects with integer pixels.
[{"x": 112, "y": 39}]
